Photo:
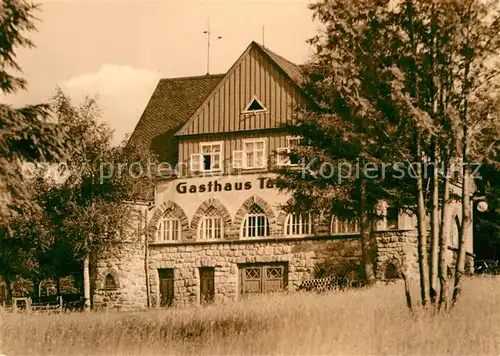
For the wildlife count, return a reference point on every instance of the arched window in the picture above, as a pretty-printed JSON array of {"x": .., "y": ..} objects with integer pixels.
[
  {"x": 455, "y": 231},
  {"x": 344, "y": 226},
  {"x": 255, "y": 223},
  {"x": 297, "y": 225},
  {"x": 109, "y": 282},
  {"x": 169, "y": 228},
  {"x": 211, "y": 227},
  {"x": 391, "y": 271}
]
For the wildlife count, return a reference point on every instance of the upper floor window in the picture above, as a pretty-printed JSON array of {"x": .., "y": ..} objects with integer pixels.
[
  {"x": 286, "y": 157},
  {"x": 344, "y": 226},
  {"x": 169, "y": 228},
  {"x": 298, "y": 225},
  {"x": 253, "y": 154},
  {"x": 210, "y": 158},
  {"x": 255, "y": 224},
  {"x": 211, "y": 227}
]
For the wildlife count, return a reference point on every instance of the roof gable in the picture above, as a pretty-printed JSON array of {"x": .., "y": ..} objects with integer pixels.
[
  {"x": 215, "y": 115},
  {"x": 171, "y": 105},
  {"x": 292, "y": 70}
]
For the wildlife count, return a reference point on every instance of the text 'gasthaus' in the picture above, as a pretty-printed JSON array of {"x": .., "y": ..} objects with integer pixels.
[{"x": 215, "y": 186}]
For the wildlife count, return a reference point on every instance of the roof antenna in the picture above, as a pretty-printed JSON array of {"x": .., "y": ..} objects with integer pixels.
[
  {"x": 208, "y": 33},
  {"x": 263, "y": 28}
]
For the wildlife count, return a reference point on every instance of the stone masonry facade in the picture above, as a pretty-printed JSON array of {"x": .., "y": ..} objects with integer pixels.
[{"x": 304, "y": 257}]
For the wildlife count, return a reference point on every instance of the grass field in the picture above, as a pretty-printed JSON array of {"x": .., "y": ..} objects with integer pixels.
[{"x": 368, "y": 322}]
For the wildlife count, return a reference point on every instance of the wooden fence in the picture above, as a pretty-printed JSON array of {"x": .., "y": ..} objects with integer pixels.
[{"x": 46, "y": 304}]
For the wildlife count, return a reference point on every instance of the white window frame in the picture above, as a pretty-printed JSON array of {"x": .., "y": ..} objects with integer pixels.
[
  {"x": 238, "y": 159},
  {"x": 167, "y": 232},
  {"x": 246, "y": 111},
  {"x": 197, "y": 164},
  {"x": 336, "y": 223},
  {"x": 283, "y": 159},
  {"x": 211, "y": 220},
  {"x": 301, "y": 222},
  {"x": 244, "y": 153},
  {"x": 245, "y": 228}
]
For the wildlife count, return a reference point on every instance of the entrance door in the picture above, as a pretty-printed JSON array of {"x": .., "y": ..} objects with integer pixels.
[
  {"x": 207, "y": 284},
  {"x": 263, "y": 278},
  {"x": 166, "y": 278}
]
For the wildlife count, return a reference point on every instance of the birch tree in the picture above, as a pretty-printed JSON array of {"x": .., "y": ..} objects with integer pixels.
[
  {"x": 89, "y": 205},
  {"x": 478, "y": 105},
  {"x": 394, "y": 81}
]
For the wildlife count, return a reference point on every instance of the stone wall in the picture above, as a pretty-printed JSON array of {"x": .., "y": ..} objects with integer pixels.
[
  {"x": 398, "y": 248},
  {"x": 304, "y": 257},
  {"x": 126, "y": 265},
  {"x": 452, "y": 261},
  {"x": 120, "y": 275}
]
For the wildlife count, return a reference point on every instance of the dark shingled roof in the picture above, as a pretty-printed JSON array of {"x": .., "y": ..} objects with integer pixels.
[{"x": 171, "y": 105}]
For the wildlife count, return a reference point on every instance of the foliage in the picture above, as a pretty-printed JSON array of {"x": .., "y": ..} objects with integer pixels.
[
  {"x": 89, "y": 206},
  {"x": 397, "y": 84},
  {"x": 26, "y": 134},
  {"x": 82, "y": 206}
]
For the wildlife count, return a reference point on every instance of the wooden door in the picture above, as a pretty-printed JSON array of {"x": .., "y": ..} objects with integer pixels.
[
  {"x": 207, "y": 284},
  {"x": 251, "y": 279},
  {"x": 274, "y": 278},
  {"x": 263, "y": 278},
  {"x": 166, "y": 278}
]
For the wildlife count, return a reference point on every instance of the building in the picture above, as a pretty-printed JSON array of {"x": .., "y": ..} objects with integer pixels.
[{"x": 217, "y": 231}]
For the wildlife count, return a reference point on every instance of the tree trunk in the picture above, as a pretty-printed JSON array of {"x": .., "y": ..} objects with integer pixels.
[
  {"x": 369, "y": 277},
  {"x": 58, "y": 285},
  {"x": 36, "y": 290},
  {"x": 423, "y": 263},
  {"x": 423, "y": 252},
  {"x": 434, "y": 260},
  {"x": 86, "y": 282},
  {"x": 466, "y": 202},
  {"x": 146, "y": 258},
  {"x": 444, "y": 231},
  {"x": 8, "y": 285},
  {"x": 407, "y": 291},
  {"x": 464, "y": 230}
]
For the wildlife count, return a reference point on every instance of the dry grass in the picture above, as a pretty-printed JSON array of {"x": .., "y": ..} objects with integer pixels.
[{"x": 373, "y": 321}]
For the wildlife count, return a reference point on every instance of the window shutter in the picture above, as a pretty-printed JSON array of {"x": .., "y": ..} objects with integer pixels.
[
  {"x": 238, "y": 159},
  {"x": 282, "y": 157},
  {"x": 195, "y": 163}
]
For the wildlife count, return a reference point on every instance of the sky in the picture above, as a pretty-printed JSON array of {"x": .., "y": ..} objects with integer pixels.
[{"x": 119, "y": 49}]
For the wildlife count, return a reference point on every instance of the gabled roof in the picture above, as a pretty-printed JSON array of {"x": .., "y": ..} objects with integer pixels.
[
  {"x": 175, "y": 100},
  {"x": 291, "y": 70},
  {"x": 171, "y": 105}
]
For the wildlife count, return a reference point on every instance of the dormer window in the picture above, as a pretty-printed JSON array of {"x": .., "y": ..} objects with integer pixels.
[{"x": 254, "y": 106}]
